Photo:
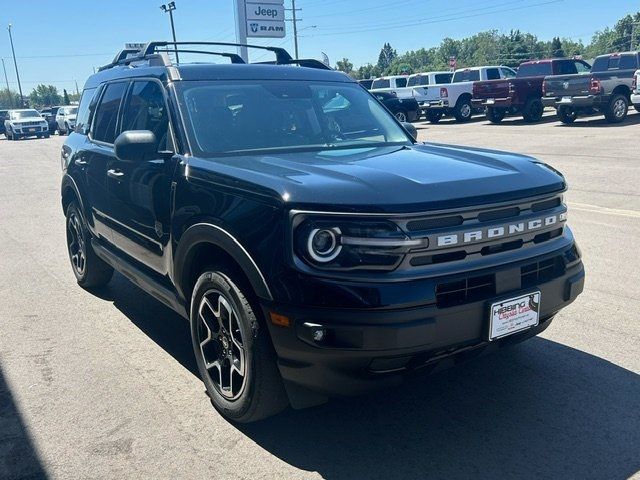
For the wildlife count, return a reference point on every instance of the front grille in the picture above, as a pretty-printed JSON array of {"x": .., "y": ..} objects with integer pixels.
[
  {"x": 29, "y": 124},
  {"x": 542, "y": 271},
  {"x": 468, "y": 290}
]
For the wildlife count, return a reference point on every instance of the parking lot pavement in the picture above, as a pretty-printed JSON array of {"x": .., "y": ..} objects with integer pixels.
[{"x": 103, "y": 384}]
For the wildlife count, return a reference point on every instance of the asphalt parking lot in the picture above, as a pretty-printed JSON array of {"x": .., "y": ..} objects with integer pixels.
[{"x": 103, "y": 384}]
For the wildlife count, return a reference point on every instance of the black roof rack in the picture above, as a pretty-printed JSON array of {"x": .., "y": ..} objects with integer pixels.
[{"x": 153, "y": 50}]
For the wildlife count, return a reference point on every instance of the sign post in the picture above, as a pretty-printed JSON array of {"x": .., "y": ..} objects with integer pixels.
[{"x": 259, "y": 18}]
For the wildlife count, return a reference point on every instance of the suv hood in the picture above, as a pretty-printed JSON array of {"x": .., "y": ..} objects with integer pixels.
[{"x": 415, "y": 178}]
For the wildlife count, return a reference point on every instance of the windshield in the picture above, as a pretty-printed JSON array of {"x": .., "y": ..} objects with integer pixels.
[
  {"x": 535, "y": 70},
  {"x": 250, "y": 116},
  {"x": 466, "y": 76},
  {"x": 71, "y": 110},
  {"x": 25, "y": 114}
]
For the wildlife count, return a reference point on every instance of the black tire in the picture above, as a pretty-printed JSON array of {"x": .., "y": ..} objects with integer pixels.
[
  {"x": 90, "y": 270},
  {"x": 617, "y": 109},
  {"x": 533, "y": 110},
  {"x": 46, "y": 135},
  {"x": 67, "y": 129},
  {"x": 495, "y": 115},
  {"x": 433, "y": 116},
  {"x": 261, "y": 392},
  {"x": 567, "y": 115},
  {"x": 401, "y": 116},
  {"x": 463, "y": 110},
  {"x": 637, "y": 107}
]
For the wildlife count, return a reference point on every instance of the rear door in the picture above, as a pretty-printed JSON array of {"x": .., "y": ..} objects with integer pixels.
[
  {"x": 99, "y": 154},
  {"x": 139, "y": 192}
]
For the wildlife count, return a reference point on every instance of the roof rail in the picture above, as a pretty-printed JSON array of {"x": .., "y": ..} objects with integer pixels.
[{"x": 155, "y": 51}]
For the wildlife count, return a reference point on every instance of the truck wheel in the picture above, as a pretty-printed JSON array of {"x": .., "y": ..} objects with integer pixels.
[
  {"x": 533, "y": 110},
  {"x": 495, "y": 115},
  {"x": 617, "y": 109},
  {"x": 567, "y": 115},
  {"x": 233, "y": 351},
  {"x": 401, "y": 115},
  {"x": 90, "y": 270},
  {"x": 463, "y": 110},
  {"x": 434, "y": 116},
  {"x": 637, "y": 107}
]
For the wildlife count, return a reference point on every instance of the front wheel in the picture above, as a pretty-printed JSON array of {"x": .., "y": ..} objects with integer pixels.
[
  {"x": 637, "y": 107},
  {"x": 233, "y": 351},
  {"x": 495, "y": 115},
  {"x": 90, "y": 270},
  {"x": 401, "y": 115},
  {"x": 463, "y": 110},
  {"x": 617, "y": 109},
  {"x": 567, "y": 115}
]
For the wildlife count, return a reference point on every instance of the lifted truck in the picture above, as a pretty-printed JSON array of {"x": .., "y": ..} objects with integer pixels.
[
  {"x": 455, "y": 99},
  {"x": 523, "y": 94},
  {"x": 607, "y": 89}
]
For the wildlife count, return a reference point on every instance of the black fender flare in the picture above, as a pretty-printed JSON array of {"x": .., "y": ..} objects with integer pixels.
[
  {"x": 213, "y": 234},
  {"x": 68, "y": 183}
]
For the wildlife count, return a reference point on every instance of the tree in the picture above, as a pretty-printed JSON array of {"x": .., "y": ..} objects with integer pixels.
[
  {"x": 387, "y": 55},
  {"x": 44, "y": 96},
  {"x": 556, "y": 48},
  {"x": 345, "y": 66},
  {"x": 65, "y": 97},
  {"x": 9, "y": 99},
  {"x": 368, "y": 71}
]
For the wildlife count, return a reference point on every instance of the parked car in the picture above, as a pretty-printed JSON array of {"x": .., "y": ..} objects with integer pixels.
[
  {"x": 66, "y": 119},
  {"x": 394, "y": 83},
  {"x": 314, "y": 246},
  {"x": 4, "y": 114},
  {"x": 366, "y": 83},
  {"x": 635, "y": 95},
  {"x": 25, "y": 122},
  {"x": 49, "y": 114},
  {"x": 523, "y": 94},
  {"x": 422, "y": 82},
  {"x": 606, "y": 89},
  {"x": 456, "y": 99},
  {"x": 404, "y": 109}
]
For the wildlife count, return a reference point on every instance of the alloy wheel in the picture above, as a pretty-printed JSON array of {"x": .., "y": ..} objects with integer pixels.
[
  {"x": 619, "y": 108},
  {"x": 222, "y": 345},
  {"x": 465, "y": 110},
  {"x": 401, "y": 117},
  {"x": 76, "y": 244}
]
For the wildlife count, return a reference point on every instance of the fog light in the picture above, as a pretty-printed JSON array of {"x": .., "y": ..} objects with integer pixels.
[{"x": 319, "y": 334}]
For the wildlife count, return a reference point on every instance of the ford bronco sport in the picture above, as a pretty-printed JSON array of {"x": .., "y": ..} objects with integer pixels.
[{"x": 316, "y": 248}]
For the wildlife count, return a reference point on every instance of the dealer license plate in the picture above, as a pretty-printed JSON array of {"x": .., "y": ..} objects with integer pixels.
[
  {"x": 490, "y": 101},
  {"x": 566, "y": 100},
  {"x": 514, "y": 315},
  {"x": 32, "y": 130}
]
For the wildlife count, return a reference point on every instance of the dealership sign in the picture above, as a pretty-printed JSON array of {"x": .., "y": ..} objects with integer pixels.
[{"x": 265, "y": 18}]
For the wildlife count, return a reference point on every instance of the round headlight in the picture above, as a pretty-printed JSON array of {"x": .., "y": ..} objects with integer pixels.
[{"x": 323, "y": 244}]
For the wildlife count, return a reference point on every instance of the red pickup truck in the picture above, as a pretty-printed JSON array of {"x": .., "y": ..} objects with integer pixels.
[{"x": 522, "y": 94}]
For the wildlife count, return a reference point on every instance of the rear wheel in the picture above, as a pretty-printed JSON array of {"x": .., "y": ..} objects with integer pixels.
[
  {"x": 617, "y": 109},
  {"x": 90, "y": 270},
  {"x": 495, "y": 115},
  {"x": 233, "y": 350},
  {"x": 434, "y": 116},
  {"x": 533, "y": 110},
  {"x": 567, "y": 115},
  {"x": 401, "y": 115},
  {"x": 463, "y": 110}
]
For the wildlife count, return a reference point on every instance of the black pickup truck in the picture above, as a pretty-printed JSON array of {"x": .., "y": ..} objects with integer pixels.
[
  {"x": 607, "y": 89},
  {"x": 316, "y": 248}
]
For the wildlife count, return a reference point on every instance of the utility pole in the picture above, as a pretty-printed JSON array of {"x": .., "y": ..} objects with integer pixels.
[
  {"x": 7, "y": 80},
  {"x": 295, "y": 21},
  {"x": 169, "y": 8},
  {"x": 15, "y": 63},
  {"x": 77, "y": 91}
]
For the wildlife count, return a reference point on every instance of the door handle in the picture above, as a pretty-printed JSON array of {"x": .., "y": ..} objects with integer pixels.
[
  {"x": 115, "y": 173},
  {"x": 80, "y": 162}
]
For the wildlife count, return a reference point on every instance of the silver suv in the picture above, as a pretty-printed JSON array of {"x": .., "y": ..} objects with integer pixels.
[
  {"x": 25, "y": 122},
  {"x": 66, "y": 119}
]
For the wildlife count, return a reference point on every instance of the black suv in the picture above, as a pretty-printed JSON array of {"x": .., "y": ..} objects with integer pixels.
[{"x": 316, "y": 248}]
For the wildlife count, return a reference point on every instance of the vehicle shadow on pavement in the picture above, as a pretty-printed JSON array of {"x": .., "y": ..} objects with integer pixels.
[
  {"x": 536, "y": 410},
  {"x": 598, "y": 121},
  {"x": 18, "y": 457}
]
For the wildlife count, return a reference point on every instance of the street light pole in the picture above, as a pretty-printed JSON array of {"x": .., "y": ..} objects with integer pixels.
[
  {"x": 6, "y": 79},
  {"x": 169, "y": 8},
  {"x": 15, "y": 63}
]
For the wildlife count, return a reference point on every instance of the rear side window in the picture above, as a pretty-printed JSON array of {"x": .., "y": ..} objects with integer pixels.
[
  {"x": 104, "y": 125},
  {"x": 83, "y": 120},
  {"x": 401, "y": 82},
  {"x": 567, "y": 68},
  {"x": 628, "y": 62},
  {"x": 381, "y": 83},
  {"x": 145, "y": 109},
  {"x": 419, "y": 80},
  {"x": 443, "y": 77},
  {"x": 534, "y": 70},
  {"x": 493, "y": 74},
  {"x": 466, "y": 76}
]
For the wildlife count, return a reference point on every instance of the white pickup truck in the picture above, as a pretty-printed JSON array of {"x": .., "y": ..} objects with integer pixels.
[
  {"x": 396, "y": 84},
  {"x": 455, "y": 98},
  {"x": 421, "y": 83},
  {"x": 635, "y": 94}
]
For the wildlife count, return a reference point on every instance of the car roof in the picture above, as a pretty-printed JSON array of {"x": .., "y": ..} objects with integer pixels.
[
  {"x": 23, "y": 110},
  {"x": 616, "y": 54},
  {"x": 212, "y": 71}
]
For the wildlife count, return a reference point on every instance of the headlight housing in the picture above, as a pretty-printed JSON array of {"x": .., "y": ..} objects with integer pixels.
[{"x": 346, "y": 244}]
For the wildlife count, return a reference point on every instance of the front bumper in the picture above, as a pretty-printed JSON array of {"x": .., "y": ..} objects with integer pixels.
[
  {"x": 32, "y": 130},
  {"x": 365, "y": 349}
]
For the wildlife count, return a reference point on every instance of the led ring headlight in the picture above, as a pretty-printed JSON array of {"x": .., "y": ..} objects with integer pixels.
[{"x": 323, "y": 244}]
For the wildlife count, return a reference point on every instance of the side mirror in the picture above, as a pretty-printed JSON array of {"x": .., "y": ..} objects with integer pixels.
[
  {"x": 411, "y": 130},
  {"x": 135, "y": 145}
]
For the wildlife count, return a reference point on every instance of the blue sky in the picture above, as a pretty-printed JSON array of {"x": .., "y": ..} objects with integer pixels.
[{"x": 60, "y": 42}]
